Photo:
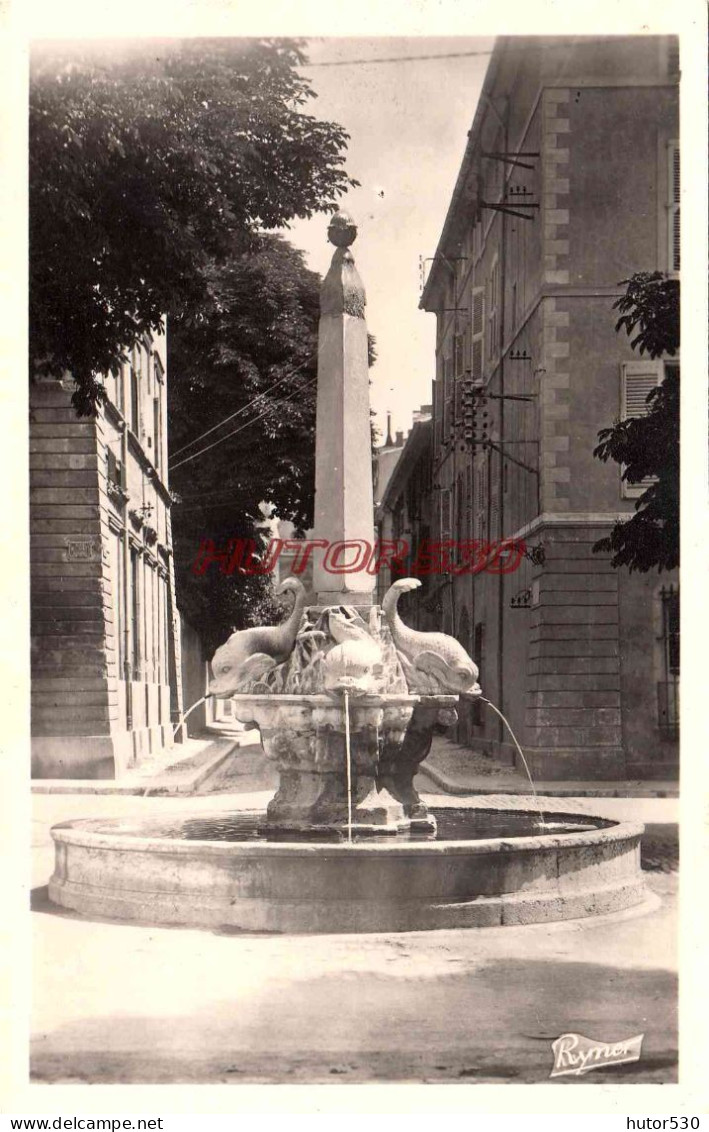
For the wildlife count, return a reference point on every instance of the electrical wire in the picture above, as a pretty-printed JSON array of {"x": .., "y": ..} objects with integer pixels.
[
  {"x": 265, "y": 413},
  {"x": 397, "y": 59},
  {"x": 248, "y": 405},
  {"x": 526, "y": 47}
]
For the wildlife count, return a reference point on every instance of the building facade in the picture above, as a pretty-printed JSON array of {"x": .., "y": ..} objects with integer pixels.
[
  {"x": 405, "y": 514},
  {"x": 569, "y": 185},
  {"x": 106, "y": 673}
]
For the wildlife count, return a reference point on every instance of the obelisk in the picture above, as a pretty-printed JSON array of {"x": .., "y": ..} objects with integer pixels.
[{"x": 344, "y": 508}]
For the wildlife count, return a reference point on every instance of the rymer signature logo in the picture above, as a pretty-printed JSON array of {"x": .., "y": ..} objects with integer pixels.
[{"x": 575, "y": 1055}]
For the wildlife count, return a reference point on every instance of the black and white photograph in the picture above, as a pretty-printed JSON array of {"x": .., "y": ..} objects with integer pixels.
[{"x": 353, "y": 534}]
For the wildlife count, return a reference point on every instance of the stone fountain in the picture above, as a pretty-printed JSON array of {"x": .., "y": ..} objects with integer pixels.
[{"x": 347, "y": 698}]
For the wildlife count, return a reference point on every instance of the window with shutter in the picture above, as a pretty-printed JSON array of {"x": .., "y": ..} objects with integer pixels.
[
  {"x": 446, "y": 513},
  {"x": 480, "y": 483},
  {"x": 477, "y": 327},
  {"x": 638, "y": 380},
  {"x": 492, "y": 323},
  {"x": 438, "y": 410},
  {"x": 673, "y": 206},
  {"x": 495, "y": 532},
  {"x": 469, "y": 525},
  {"x": 447, "y": 398}
]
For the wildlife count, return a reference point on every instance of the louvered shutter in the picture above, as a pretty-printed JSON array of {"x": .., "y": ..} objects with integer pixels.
[
  {"x": 469, "y": 524},
  {"x": 480, "y": 482},
  {"x": 477, "y": 333},
  {"x": 445, "y": 414},
  {"x": 438, "y": 410},
  {"x": 673, "y": 209},
  {"x": 638, "y": 380},
  {"x": 494, "y": 487},
  {"x": 446, "y": 517}
]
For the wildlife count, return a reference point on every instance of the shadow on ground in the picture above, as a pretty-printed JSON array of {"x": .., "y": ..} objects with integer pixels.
[{"x": 484, "y": 1022}]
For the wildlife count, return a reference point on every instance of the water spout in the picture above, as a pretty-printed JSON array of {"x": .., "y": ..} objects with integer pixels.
[
  {"x": 184, "y": 716},
  {"x": 524, "y": 761},
  {"x": 348, "y": 754}
]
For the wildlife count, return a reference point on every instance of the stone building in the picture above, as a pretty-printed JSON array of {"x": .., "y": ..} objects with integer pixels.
[
  {"x": 106, "y": 679},
  {"x": 405, "y": 513},
  {"x": 569, "y": 184}
]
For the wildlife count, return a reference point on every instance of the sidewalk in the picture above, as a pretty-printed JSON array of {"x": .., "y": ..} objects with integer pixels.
[
  {"x": 182, "y": 769},
  {"x": 459, "y": 770}
]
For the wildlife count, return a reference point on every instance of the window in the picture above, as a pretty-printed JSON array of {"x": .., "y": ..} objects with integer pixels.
[
  {"x": 480, "y": 483},
  {"x": 638, "y": 380},
  {"x": 114, "y": 467},
  {"x": 493, "y": 329},
  {"x": 459, "y": 367},
  {"x": 494, "y": 490},
  {"x": 447, "y": 397},
  {"x": 668, "y": 686},
  {"x": 446, "y": 514},
  {"x": 438, "y": 411},
  {"x": 166, "y": 623},
  {"x": 121, "y": 389},
  {"x": 477, "y": 321},
  {"x": 469, "y": 501},
  {"x": 157, "y": 434},
  {"x": 119, "y": 616},
  {"x": 134, "y": 401},
  {"x": 135, "y": 612},
  {"x": 673, "y": 206}
]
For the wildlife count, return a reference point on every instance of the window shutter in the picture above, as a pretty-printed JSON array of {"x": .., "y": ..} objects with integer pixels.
[
  {"x": 673, "y": 206},
  {"x": 494, "y": 487},
  {"x": 478, "y": 331},
  {"x": 480, "y": 485},
  {"x": 638, "y": 380},
  {"x": 469, "y": 523},
  {"x": 493, "y": 344},
  {"x": 446, "y": 507},
  {"x": 447, "y": 397},
  {"x": 438, "y": 410}
]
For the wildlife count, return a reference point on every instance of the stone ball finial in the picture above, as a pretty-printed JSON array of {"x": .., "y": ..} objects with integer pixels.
[{"x": 342, "y": 230}]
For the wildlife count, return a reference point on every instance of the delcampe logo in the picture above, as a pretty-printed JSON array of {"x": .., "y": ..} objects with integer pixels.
[{"x": 574, "y": 1054}]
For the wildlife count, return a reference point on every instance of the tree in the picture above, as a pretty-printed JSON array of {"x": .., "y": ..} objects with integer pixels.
[
  {"x": 243, "y": 374},
  {"x": 242, "y": 392},
  {"x": 647, "y": 447},
  {"x": 149, "y": 167}
]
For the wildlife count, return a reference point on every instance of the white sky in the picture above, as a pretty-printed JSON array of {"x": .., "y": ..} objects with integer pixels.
[{"x": 408, "y": 124}]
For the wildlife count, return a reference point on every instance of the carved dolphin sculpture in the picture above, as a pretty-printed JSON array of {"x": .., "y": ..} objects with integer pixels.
[
  {"x": 352, "y": 664},
  {"x": 435, "y": 662},
  {"x": 250, "y": 653}
]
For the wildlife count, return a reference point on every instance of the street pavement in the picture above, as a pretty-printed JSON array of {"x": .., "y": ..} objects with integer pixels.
[{"x": 124, "y": 1003}]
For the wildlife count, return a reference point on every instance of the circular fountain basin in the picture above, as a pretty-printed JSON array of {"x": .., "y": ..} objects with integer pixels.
[{"x": 488, "y": 865}]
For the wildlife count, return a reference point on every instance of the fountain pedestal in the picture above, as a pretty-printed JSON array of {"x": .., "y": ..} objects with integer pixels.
[{"x": 306, "y": 737}]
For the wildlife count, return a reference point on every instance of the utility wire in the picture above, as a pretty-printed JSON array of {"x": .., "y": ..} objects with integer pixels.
[
  {"x": 397, "y": 59},
  {"x": 253, "y": 420},
  {"x": 248, "y": 405},
  {"x": 527, "y": 47}
]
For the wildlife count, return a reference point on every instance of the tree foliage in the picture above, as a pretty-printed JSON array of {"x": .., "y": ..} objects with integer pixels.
[
  {"x": 244, "y": 375},
  {"x": 647, "y": 447},
  {"x": 150, "y": 164}
]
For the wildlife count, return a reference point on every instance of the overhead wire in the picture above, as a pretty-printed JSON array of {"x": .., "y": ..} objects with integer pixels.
[
  {"x": 246, "y": 424},
  {"x": 527, "y": 47},
  {"x": 397, "y": 59},
  {"x": 248, "y": 405}
]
